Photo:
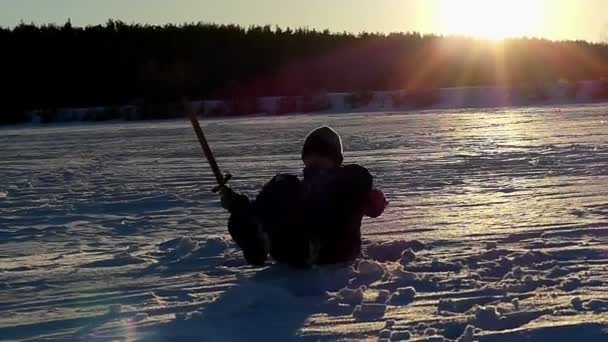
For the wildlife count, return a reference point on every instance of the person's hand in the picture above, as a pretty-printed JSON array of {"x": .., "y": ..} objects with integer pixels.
[{"x": 227, "y": 197}]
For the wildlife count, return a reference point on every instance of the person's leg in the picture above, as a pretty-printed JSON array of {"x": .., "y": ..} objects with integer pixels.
[
  {"x": 246, "y": 232},
  {"x": 244, "y": 227},
  {"x": 279, "y": 207}
]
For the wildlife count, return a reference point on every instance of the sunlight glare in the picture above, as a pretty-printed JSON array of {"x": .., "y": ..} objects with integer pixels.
[{"x": 495, "y": 19}]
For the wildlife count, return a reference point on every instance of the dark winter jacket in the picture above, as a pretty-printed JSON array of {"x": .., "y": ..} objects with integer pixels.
[{"x": 301, "y": 222}]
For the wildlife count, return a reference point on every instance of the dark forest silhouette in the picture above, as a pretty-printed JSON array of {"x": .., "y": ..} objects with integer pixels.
[{"x": 48, "y": 67}]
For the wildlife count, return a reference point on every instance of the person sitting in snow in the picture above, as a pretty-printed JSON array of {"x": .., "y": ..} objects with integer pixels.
[{"x": 316, "y": 220}]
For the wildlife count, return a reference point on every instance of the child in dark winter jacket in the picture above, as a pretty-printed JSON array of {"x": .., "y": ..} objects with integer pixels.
[{"x": 316, "y": 220}]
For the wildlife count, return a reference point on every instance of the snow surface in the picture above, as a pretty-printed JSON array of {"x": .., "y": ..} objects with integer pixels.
[{"x": 497, "y": 231}]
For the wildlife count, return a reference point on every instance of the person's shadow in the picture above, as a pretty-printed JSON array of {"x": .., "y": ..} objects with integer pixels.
[{"x": 272, "y": 305}]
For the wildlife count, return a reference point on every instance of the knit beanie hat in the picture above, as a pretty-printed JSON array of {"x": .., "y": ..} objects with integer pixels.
[{"x": 325, "y": 142}]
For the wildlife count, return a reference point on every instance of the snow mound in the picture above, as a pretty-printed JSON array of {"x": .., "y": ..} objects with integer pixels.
[
  {"x": 177, "y": 249},
  {"x": 576, "y": 303},
  {"x": 403, "y": 296},
  {"x": 368, "y": 267},
  {"x": 530, "y": 257},
  {"x": 403, "y": 276},
  {"x": 444, "y": 266},
  {"x": 350, "y": 296},
  {"x": 407, "y": 256},
  {"x": 436, "y": 266},
  {"x": 212, "y": 247},
  {"x": 468, "y": 335},
  {"x": 140, "y": 316},
  {"x": 171, "y": 244},
  {"x": 430, "y": 332},
  {"x": 401, "y": 335},
  {"x": 121, "y": 259},
  {"x": 487, "y": 316},
  {"x": 369, "y": 271},
  {"x": 516, "y": 273},
  {"x": 557, "y": 272},
  {"x": 570, "y": 284},
  {"x": 385, "y": 333},
  {"x": 391, "y": 250},
  {"x": 184, "y": 254},
  {"x": 528, "y": 279},
  {"x": 515, "y": 303},
  {"x": 184, "y": 246},
  {"x": 335, "y": 308},
  {"x": 597, "y": 305},
  {"x": 189, "y": 316},
  {"x": 369, "y": 311},
  {"x": 115, "y": 309},
  {"x": 382, "y": 296}
]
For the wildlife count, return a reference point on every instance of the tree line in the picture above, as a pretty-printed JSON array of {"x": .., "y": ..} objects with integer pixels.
[{"x": 45, "y": 67}]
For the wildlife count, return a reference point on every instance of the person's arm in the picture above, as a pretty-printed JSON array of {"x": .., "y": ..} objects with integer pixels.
[
  {"x": 233, "y": 201},
  {"x": 372, "y": 200},
  {"x": 376, "y": 203},
  {"x": 243, "y": 226}
]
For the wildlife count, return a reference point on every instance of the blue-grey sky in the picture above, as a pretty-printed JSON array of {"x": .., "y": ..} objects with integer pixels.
[{"x": 555, "y": 19}]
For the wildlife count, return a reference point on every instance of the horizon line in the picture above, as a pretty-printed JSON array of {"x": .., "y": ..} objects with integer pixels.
[{"x": 274, "y": 27}]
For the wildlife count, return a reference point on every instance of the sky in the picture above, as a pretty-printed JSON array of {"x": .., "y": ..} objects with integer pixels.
[{"x": 553, "y": 19}]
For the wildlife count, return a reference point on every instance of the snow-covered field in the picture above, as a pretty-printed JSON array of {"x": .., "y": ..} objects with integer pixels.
[{"x": 497, "y": 231}]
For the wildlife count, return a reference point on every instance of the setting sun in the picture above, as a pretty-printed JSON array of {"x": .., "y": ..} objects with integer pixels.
[{"x": 491, "y": 19}]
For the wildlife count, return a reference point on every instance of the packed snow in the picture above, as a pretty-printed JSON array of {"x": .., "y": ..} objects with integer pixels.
[{"x": 497, "y": 230}]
